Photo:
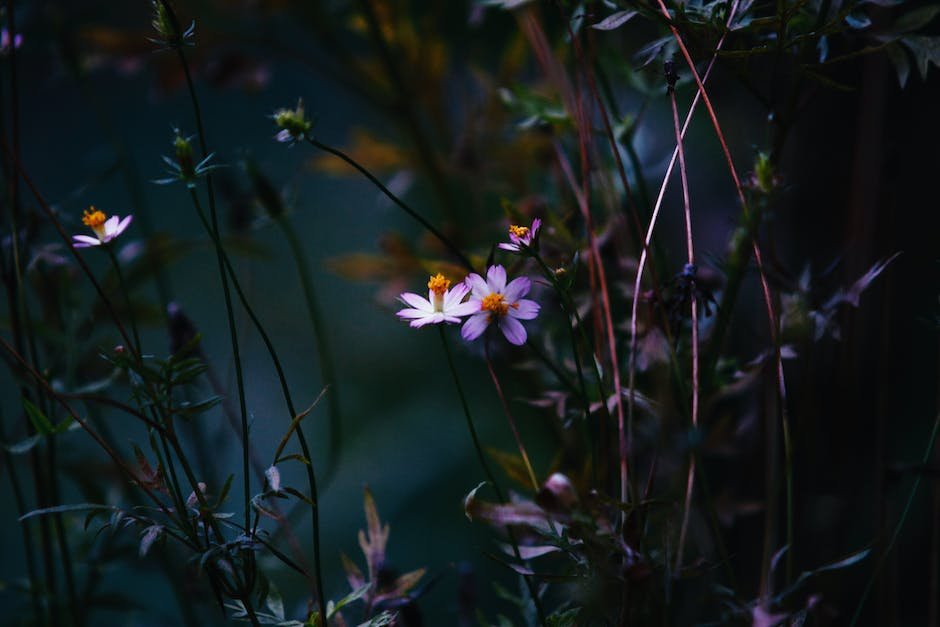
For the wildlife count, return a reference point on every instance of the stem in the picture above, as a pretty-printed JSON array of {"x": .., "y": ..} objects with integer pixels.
[
  {"x": 509, "y": 418},
  {"x": 395, "y": 199},
  {"x": 325, "y": 353},
  {"x": 533, "y": 592},
  {"x": 695, "y": 357},
  {"x": 285, "y": 390},
  {"x": 931, "y": 440},
  {"x": 127, "y": 296}
]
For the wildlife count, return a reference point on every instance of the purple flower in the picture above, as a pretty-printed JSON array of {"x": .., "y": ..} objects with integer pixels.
[
  {"x": 441, "y": 305},
  {"x": 495, "y": 301},
  {"x": 5, "y": 42},
  {"x": 105, "y": 228},
  {"x": 521, "y": 237}
]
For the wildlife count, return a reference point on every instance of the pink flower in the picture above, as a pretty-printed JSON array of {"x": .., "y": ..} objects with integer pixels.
[
  {"x": 105, "y": 228},
  {"x": 495, "y": 301},
  {"x": 441, "y": 305},
  {"x": 521, "y": 237}
]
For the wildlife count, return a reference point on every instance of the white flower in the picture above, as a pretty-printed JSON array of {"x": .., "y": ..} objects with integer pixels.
[
  {"x": 105, "y": 228},
  {"x": 441, "y": 305},
  {"x": 495, "y": 301}
]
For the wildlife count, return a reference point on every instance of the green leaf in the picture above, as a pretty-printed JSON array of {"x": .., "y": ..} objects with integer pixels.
[
  {"x": 355, "y": 595},
  {"x": 62, "y": 509},
  {"x": 295, "y": 423},
  {"x": 42, "y": 424},
  {"x": 926, "y": 50},
  {"x": 916, "y": 19}
]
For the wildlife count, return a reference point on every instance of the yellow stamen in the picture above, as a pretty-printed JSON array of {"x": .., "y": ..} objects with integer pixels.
[
  {"x": 438, "y": 284},
  {"x": 518, "y": 231},
  {"x": 494, "y": 303},
  {"x": 94, "y": 218}
]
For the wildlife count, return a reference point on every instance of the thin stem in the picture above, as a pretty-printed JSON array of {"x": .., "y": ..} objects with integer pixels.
[
  {"x": 695, "y": 356},
  {"x": 324, "y": 352},
  {"x": 533, "y": 591},
  {"x": 931, "y": 440},
  {"x": 455, "y": 251},
  {"x": 285, "y": 390},
  {"x": 509, "y": 417},
  {"x": 127, "y": 297}
]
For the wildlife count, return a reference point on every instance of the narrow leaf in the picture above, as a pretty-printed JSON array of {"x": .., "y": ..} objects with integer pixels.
[{"x": 615, "y": 20}]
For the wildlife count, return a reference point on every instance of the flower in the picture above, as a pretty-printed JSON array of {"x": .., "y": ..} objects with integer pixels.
[
  {"x": 442, "y": 305},
  {"x": 105, "y": 228},
  {"x": 495, "y": 301},
  {"x": 293, "y": 123},
  {"x": 521, "y": 237}
]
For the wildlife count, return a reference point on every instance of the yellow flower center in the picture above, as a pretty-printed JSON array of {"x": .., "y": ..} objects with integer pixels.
[
  {"x": 94, "y": 218},
  {"x": 494, "y": 303},
  {"x": 518, "y": 231},
  {"x": 438, "y": 284}
]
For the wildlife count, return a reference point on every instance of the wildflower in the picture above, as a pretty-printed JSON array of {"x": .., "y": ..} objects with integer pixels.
[
  {"x": 521, "y": 237},
  {"x": 105, "y": 228},
  {"x": 442, "y": 305},
  {"x": 495, "y": 301},
  {"x": 293, "y": 124}
]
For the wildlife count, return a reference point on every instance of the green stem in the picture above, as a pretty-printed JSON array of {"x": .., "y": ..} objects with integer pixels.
[
  {"x": 127, "y": 297},
  {"x": 533, "y": 592},
  {"x": 931, "y": 440},
  {"x": 285, "y": 390},
  {"x": 395, "y": 199},
  {"x": 324, "y": 352}
]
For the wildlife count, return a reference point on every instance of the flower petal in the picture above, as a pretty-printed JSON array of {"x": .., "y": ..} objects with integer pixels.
[
  {"x": 513, "y": 330},
  {"x": 452, "y": 297},
  {"x": 510, "y": 247},
  {"x": 536, "y": 224},
  {"x": 122, "y": 226},
  {"x": 111, "y": 225},
  {"x": 84, "y": 241},
  {"x": 524, "y": 309},
  {"x": 464, "y": 309},
  {"x": 412, "y": 313},
  {"x": 434, "y": 318},
  {"x": 477, "y": 285},
  {"x": 417, "y": 302},
  {"x": 475, "y": 326},
  {"x": 516, "y": 289},
  {"x": 496, "y": 278}
]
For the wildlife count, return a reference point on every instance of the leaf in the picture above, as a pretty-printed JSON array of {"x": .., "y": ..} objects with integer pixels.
[
  {"x": 42, "y": 424},
  {"x": 62, "y": 509},
  {"x": 274, "y": 602},
  {"x": 355, "y": 595},
  {"x": 512, "y": 464},
  {"x": 902, "y": 66},
  {"x": 149, "y": 536},
  {"x": 295, "y": 423},
  {"x": 916, "y": 19},
  {"x": 406, "y": 582},
  {"x": 373, "y": 541},
  {"x": 23, "y": 446},
  {"x": 858, "y": 21},
  {"x": 615, "y": 20},
  {"x": 353, "y": 574},
  {"x": 564, "y": 619},
  {"x": 382, "y": 620},
  {"x": 926, "y": 50},
  {"x": 524, "y": 513}
]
